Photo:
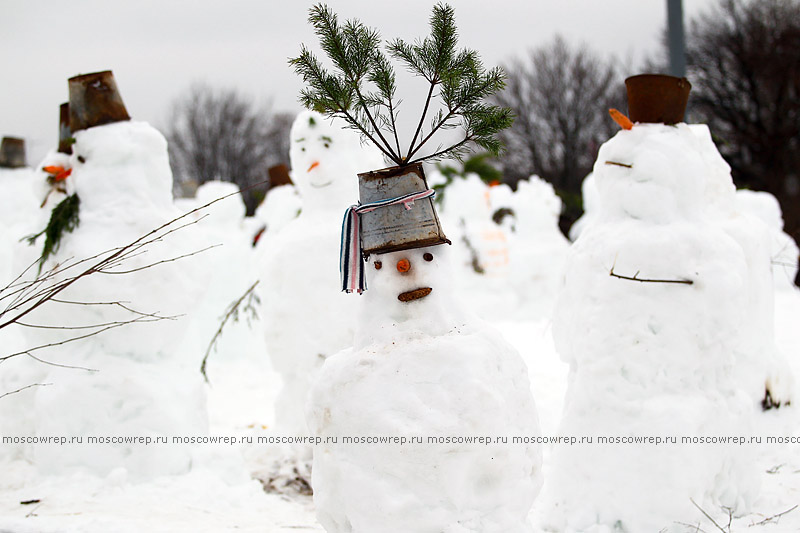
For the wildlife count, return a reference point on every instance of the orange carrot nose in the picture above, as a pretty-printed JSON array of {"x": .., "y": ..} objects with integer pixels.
[
  {"x": 623, "y": 121},
  {"x": 314, "y": 165},
  {"x": 52, "y": 169},
  {"x": 403, "y": 265}
]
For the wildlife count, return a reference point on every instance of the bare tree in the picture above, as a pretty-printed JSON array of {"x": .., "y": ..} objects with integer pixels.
[
  {"x": 221, "y": 135},
  {"x": 744, "y": 62},
  {"x": 560, "y": 96}
]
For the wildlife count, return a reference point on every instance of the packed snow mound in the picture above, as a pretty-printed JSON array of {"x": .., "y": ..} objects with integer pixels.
[
  {"x": 423, "y": 369},
  {"x": 281, "y": 205},
  {"x": 783, "y": 250},
  {"x": 591, "y": 207},
  {"x": 653, "y": 318},
  {"x": 227, "y": 213}
]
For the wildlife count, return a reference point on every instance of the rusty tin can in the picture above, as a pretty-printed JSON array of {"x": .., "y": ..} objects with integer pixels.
[
  {"x": 94, "y": 100},
  {"x": 393, "y": 228},
  {"x": 657, "y": 98},
  {"x": 12, "y": 152}
]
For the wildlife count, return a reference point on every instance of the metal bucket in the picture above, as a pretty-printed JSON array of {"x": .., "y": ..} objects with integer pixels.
[
  {"x": 94, "y": 100},
  {"x": 12, "y": 152},
  {"x": 657, "y": 98},
  {"x": 393, "y": 228},
  {"x": 64, "y": 133}
]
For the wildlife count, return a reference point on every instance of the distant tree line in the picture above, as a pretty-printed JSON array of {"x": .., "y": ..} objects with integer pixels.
[
  {"x": 744, "y": 64},
  {"x": 218, "y": 134}
]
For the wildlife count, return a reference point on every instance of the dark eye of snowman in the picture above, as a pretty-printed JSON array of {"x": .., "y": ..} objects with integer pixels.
[
  {"x": 81, "y": 159},
  {"x": 303, "y": 149},
  {"x": 428, "y": 256},
  {"x": 378, "y": 265},
  {"x": 326, "y": 145}
]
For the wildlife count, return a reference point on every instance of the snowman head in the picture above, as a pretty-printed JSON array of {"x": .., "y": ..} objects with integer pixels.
[
  {"x": 325, "y": 161},
  {"x": 651, "y": 172},
  {"x": 410, "y": 290}
]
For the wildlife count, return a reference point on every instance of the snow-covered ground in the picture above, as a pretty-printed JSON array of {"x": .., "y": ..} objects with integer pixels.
[{"x": 240, "y": 403}]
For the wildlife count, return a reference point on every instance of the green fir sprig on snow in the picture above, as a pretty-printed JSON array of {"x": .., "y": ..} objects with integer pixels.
[
  {"x": 63, "y": 219},
  {"x": 362, "y": 89}
]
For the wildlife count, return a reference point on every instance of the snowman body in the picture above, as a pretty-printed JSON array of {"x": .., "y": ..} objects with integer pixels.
[{"x": 422, "y": 369}]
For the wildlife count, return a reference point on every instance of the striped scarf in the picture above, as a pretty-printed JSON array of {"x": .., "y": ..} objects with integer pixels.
[{"x": 351, "y": 261}]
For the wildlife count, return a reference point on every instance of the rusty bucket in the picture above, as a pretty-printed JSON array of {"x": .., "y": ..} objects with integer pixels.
[
  {"x": 12, "y": 152},
  {"x": 279, "y": 175},
  {"x": 393, "y": 228},
  {"x": 64, "y": 133},
  {"x": 657, "y": 98},
  {"x": 94, "y": 100}
]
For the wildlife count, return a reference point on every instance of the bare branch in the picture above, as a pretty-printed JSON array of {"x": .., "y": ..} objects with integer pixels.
[
  {"x": 232, "y": 311},
  {"x": 24, "y": 388},
  {"x": 636, "y": 277}
]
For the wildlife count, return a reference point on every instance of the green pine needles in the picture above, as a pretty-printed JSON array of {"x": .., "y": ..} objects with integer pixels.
[
  {"x": 362, "y": 89},
  {"x": 63, "y": 218}
]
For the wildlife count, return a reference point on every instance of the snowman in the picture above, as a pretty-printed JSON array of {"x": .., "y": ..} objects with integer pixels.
[
  {"x": 429, "y": 378},
  {"x": 651, "y": 319},
  {"x": 305, "y": 316},
  {"x": 135, "y": 381}
]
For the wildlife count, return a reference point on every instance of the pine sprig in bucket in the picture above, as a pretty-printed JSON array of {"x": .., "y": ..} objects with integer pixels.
[
  {"x": 362, "y": 90},
  {"x": 63, "y": 218}
]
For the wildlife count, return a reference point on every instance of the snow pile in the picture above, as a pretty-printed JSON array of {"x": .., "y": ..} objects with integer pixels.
[
  {"x": 783, "y": 250},
  {"x": 654, "y": 358},
  {"x": 538, "y": 249},
  {"x": 281, "y": 205},
  {"x": 760, "y": 368},
  {"x": 421, "y": 368},
  {"x": 481, "y": 254},
  {"x": 591, "y": 207},
  {"x": 139, "y": 383}
]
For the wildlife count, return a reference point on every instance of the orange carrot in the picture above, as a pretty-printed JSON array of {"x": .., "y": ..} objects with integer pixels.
[
  {"x": 623, "y": 121},
  {"x": 52, "y": 169}
]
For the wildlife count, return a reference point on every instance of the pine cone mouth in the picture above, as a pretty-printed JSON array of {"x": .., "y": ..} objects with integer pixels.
[{"x": 416, "y": 294}]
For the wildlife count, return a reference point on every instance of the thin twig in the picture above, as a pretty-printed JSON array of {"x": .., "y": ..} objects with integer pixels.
[
  {"x": 23, "y": 388},
  {"x": 619, "y": 164},
  {"x": 696, "y": 527},
  {"x": 50, "y": 363},
  {"x": 708, "y": 516},
  {"x": 231, "y": 311},
  {"x": 646, "y": 280},
  {"x": 773, "y": 517}
]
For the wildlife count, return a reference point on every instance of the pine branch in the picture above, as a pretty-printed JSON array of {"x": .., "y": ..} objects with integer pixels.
[{"x": 353, "y": 49}]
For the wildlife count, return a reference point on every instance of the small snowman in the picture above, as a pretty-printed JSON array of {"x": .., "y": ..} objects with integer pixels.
[{"x": 421, "y": 367}]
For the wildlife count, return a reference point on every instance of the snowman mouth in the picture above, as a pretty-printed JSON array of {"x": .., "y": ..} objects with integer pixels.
[
  {"x": 416, "y": 294},
  {"x": 320, "y": 186}
]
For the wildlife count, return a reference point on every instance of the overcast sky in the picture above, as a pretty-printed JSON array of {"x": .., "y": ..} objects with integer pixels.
[{"x": 158, "y": 48}]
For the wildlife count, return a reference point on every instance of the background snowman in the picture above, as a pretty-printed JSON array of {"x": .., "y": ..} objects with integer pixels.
[
  {"x": 421, "y": 367},
  {"x": 652, "y": 320},
  {"x": 306, "y": 318}
]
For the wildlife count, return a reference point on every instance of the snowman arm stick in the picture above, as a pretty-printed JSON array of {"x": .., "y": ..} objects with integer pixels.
[{"x": 636, "y": 277}]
